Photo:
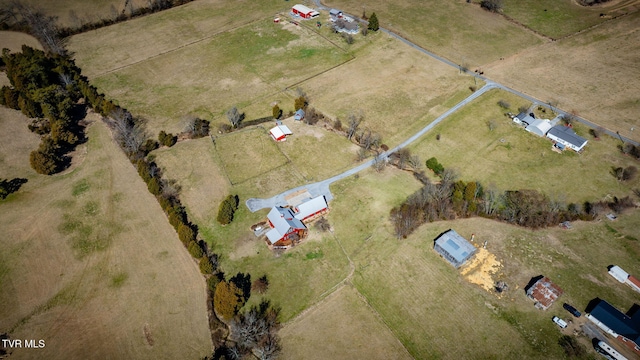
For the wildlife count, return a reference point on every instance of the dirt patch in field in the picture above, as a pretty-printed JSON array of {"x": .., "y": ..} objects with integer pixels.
[{"x": 482, "y": 269}]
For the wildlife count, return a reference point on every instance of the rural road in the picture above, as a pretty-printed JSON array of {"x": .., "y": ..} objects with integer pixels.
[{"x": 322, "y": 187}]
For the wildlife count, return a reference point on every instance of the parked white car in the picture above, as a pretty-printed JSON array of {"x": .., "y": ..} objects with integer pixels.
[{"x": 559, "y": 322}]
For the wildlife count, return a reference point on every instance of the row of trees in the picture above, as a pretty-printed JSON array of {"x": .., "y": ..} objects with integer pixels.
[
  {"x": 452, "y": 198},
  {"x": 8, "y": 187}
]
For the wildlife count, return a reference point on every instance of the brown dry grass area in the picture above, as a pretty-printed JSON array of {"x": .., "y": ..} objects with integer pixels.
[
  {"x": 95, "y": 300},
  {"x": 342, "y": 326},
  {"x": 482, "y": 269},
  {"x": 596, "y": 73},
  {"x": 13, "y": 41}
]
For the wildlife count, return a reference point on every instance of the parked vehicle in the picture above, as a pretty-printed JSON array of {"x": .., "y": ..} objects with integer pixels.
[
  {"x": 572, "y": 310},
  {"x": 559, "y": 322}
]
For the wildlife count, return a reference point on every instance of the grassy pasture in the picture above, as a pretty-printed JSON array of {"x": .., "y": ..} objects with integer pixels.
[
  {"x": 89, "y": 261},
  {"x": 561, "y": 18},
  {"x": 249, "y": 153},
  {"x": 113, "y": 47},
  {"x": 13, "y": 41},
  {"x": 595, "y": 73},
  {"x": 209, "y": 77},
  {"x": 459, "y": 31},
  {"x": 511, "y": 158},
  {"x": 414, "y": 290},
  {"x": 398, "y": 89},
  {"x": 361, "y": 334}
]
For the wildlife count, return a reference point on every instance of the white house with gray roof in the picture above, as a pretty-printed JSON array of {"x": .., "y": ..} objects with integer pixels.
[{"x": 566, "y": 136}]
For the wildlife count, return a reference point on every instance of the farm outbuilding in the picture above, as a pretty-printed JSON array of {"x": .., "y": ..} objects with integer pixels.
[
  {"x": 524, "y": 118},
  {"x": 311, "y": 208},
  {"x": 624, "y": 277},
  {"x": 304, "y": 12},
  {"x": 454, "y": 248},
  {"x": 299, "y": 115},
  {"x": 566, "y": 136},
  {"x": 335, "y": 14},
  {"x": 280, "y": 133},
  {"x": 543, "y": 292}
]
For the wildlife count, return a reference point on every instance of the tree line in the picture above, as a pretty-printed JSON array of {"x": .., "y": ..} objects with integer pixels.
[{"x": 451, "y": 198}]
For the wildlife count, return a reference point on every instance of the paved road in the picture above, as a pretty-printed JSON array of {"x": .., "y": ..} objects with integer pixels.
[{"x": 322, "y": 187}]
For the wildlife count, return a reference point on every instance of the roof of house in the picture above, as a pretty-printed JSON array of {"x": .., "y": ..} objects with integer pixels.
[
  {"x": 539, "y": 126},
  {"x": 335, "y": 12},
  {"x": 282, "y": 220},
  {"x": 525, "y": 117},
  {"x": 544, "y": 292},
  {"x": 311, "y": 207},
  {"x": 567, "y": 134},
  {"x": 456, "y": 246},
  {"x": 280, "y": 131},
  {"x": 617, "y": 321}
]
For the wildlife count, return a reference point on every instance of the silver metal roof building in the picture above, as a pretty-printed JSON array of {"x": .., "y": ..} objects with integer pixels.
[{"x": 454, "y": 248}]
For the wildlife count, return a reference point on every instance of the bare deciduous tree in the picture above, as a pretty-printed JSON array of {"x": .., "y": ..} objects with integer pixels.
[
  {"x": 354, "y": 123},
  {"x": 128, "y": 132},
  {"x": 234, "y": 116}
]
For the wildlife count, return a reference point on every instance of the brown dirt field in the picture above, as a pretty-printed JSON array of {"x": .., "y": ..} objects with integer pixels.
[
  {"x": 595, "y": 73},
  {"x": 341, "y": 327},
  {"x": 13, "y": 41},
  {"x": 91, "y": 265}
]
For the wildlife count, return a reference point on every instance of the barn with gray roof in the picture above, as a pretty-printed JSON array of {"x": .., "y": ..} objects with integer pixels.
[{"x": 454, "y": 248}]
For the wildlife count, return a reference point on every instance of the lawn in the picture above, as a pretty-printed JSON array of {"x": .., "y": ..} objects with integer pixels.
[
  {"x": 595, "y": 73},
  {"x": 89, "y": 261},
  {"x": 509, "y": 158},
  {"x": 461, "y": 32}
]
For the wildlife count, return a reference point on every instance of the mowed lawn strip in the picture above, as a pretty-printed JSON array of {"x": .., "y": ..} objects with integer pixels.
[
  {"x": 461, "y": 32},
  {"x": 92, "y": 265},
  {"x": 600, "y": 79},
  {"x": 105, "y": 49},
  {"x": 510, "y": 158},
  {"x": 361, "y": 334},
  {"x": 250, "y": 64},
  {"x": 397, "y": 89}
]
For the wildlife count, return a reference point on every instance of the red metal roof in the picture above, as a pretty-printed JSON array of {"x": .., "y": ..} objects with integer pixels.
[{"x": 544, "y": 292}]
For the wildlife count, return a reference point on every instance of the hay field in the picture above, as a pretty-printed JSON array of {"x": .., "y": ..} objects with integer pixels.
[
  {"x": 396, "y": 88},
  {"x": 90, "y": 264},
  {"x": 360, "y": 335},
  {"x": 13, "y": 41},
  {"x": 595, "y": 73},
  {"x": 459, "y": 31},
  {"x": 511, "y": 158}
]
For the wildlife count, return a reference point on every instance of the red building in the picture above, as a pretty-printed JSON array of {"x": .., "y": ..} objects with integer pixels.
[
  {"x": 544, "y": 293},
  {"x": 304, "y": 12}
]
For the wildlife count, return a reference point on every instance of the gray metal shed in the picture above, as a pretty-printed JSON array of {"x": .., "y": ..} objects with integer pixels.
[{"x": 454, "y": 248}]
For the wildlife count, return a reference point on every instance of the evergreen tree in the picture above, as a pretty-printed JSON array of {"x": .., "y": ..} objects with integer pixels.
[{"x": 373, "y": 23}]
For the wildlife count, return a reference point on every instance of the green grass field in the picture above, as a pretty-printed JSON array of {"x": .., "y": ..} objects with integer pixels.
[{"x": 510, "y": 158}]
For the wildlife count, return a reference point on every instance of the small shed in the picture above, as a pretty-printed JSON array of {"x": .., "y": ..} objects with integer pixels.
[
  {"x": 454, "y": 248},
  {"x": 335, "y": 14},
  {"x": 280, "y": 133},
  {"x": 543, "y": 292},
  {"x": 299, "y": 115},
  {"x": 524, "y": 118}
]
